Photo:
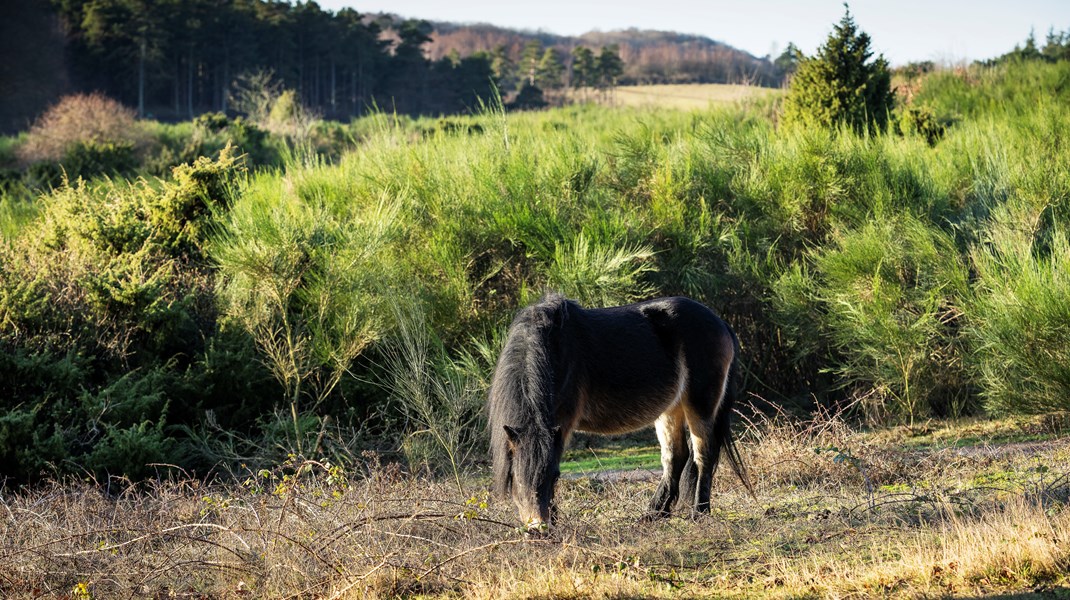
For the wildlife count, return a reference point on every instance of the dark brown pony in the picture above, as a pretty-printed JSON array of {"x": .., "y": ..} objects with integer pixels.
[{"x": 671, "y": 362}]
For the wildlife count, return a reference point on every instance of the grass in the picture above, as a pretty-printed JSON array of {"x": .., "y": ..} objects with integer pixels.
[
  {"x": 938, "y": 523},
  {"x": 591, "y": 453}
]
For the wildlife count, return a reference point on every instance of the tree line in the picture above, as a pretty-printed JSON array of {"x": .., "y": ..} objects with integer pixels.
[
  {"x": 650, "y": 57},
  {"x": 179, "y": 58}
]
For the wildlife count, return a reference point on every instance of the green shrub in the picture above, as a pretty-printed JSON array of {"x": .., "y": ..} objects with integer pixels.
[
  {"x": 91, "y": 159},
  {"x": 600, "y": 275},
  {"x": 1020, "y": 314},
  {"x": 921, "y": 121},
  {"x": 106, "y": 310},
  {"x": 306, "y": 275},
  {"x": 891, "y": 296}
]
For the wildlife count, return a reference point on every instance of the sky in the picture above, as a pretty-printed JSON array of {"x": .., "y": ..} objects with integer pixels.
[{"x": 945, "y": 31}]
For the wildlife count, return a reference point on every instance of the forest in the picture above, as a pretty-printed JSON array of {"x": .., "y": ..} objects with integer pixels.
[{"x": 175, "y": 60}]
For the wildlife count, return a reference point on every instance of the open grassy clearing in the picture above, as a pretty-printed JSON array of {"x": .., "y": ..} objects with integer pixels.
[
  {"x": 689, "y": 96},
  {"x": 839, "y": 513}
]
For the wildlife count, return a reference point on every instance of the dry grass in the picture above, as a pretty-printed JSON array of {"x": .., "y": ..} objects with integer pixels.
[
  {"x": 931, "y": 522},
  {"x": 693, "y": 96}
]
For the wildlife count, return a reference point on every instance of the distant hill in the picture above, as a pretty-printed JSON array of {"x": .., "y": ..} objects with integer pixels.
[{"x": 649, "y": 56}]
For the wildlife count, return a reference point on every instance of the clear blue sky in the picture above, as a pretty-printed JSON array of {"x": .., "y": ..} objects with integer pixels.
[{"x": 903, "y": 30}]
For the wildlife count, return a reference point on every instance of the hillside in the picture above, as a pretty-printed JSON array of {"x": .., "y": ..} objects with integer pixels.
[{"x": 649, "y": 56}]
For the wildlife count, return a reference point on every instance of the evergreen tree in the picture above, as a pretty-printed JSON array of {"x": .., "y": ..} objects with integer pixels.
[
  {"x": 548, "y": 75},
  {"x": 584, "y": 68},
  {"x": 839, "y": 85},
  {"x": 529, "y": 60},
  {"x": 608, "y": 66},
  {"x": 788, "y": 61},
  {"x": 503, "y": 68}
]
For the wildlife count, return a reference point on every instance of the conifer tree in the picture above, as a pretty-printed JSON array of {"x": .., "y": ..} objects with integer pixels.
[
  {"x": 839, "y": 85},
  {"x": 529, "y": 60},
  {"x": 583, "y": 68},
  {"x": 548, "y": 75},
  {"x": 609, "y": 66}
]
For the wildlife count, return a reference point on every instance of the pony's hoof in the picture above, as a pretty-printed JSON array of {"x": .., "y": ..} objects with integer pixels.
[{"x": 653, "y": 515}]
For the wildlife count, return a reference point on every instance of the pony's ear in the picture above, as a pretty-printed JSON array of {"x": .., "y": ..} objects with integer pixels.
[{"x": 512, "y": 436}]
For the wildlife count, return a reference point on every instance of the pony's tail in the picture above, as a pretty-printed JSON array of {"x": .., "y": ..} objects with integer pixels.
[{"x": 723, "y": 421}]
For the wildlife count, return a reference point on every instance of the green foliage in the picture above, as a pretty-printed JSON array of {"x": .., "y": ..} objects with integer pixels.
[
  {"x": 839, "y": 86},
  {"x": 91, "y": 159},
  {"x": 550, "y": 70},
  {"x": 600, "y": 275},
  {"x": 440, "y": 397},
  {"x": 106, "y": 305},
  {"x": 891, "y": 293},
  {"x": 920, "y": 121},
  {"x": 222, "y": 316},
  {"x": 584, "y": 68},
  {"x": 1021, "y": 313},
  {"x": 305, "y": 274},
  {"x": 529, "y": 97},
  {"x": 609, "y": 66}
]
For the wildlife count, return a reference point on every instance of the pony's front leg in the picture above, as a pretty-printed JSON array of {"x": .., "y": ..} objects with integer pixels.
[{"x": 673, "y": 440}]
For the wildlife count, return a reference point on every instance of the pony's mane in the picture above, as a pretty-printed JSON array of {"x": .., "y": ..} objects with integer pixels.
[{"x": 523, "y": 382}]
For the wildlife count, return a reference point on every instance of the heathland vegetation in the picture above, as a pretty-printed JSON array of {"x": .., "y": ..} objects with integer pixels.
[{"x": 288, "y": 325}]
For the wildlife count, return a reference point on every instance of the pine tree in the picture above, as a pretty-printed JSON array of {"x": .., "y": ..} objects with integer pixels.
[
  {"x": 529, "y": 60},
  {"x": 609, "y": 66},
  {"x": 839, "y": 85},
  {"x": 548, "y": 75},
  {"x": 583, "y": 68}
]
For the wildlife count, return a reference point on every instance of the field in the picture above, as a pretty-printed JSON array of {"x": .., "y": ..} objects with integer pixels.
[
  {"x": 930, "y": 511},
  {"x": 698, "y": 96},
  {"x": 250, "y": 359}
]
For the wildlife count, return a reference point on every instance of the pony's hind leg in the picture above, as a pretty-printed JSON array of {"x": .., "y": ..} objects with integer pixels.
[
  {"x": 707, "y": 402},
  {"x": 674, "y": 454}
]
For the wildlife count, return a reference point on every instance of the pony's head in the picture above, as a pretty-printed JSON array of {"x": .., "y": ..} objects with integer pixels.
[
  {"x": 526, "y": 442},
  {"x": 533, "y": 459}
]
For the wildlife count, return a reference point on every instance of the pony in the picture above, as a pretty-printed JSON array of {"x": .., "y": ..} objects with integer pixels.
[{"x": 670, "y": 361}]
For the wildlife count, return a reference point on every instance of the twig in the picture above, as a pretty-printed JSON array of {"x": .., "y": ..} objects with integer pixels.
[{"x": 361, "y": 578}]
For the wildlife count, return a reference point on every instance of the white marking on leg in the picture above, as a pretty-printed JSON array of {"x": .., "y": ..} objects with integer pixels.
[{"x": 665, "y": 426}]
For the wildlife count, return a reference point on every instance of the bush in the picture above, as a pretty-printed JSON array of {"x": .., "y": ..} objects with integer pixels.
[
  {"x": 891, "y": 293},
  {"x": 306, "y": 276},
  {"x": 1020, "y": 316},
  {"x": 90, "y": 119},
  {"x": 88, "y": 159},
  {"x": 107, "y": 314},
  {"x": 920, "y": 121},
  {"x": 838, "y": 86}
]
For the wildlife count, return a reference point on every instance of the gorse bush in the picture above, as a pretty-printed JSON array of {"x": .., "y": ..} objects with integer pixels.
[
  {"x": 108, "y": 327},
  {"x": 1021, "y": 313},
  {"x": 306, "y": 274},
  {"x": 891, "y": 293}
]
